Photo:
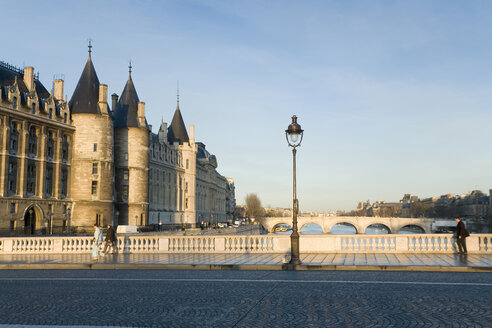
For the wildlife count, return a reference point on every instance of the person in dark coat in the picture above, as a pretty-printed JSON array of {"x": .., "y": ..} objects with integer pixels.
[
  {"x": 461, "y": 234},
  {"x": 109, "y": 240}
]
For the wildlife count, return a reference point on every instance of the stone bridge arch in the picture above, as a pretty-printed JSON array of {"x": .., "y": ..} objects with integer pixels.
[{"x": 359, "y": 222}]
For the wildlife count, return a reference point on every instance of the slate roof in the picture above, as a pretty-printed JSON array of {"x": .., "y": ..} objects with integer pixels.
[
  {"x": 86, "y": 95},
  {"x": 177, "y": 130},
  {"x": 126, "y": 112},
  {"x": 7, "y": 78}
]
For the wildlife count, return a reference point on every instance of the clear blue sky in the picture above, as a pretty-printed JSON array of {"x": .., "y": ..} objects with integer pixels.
[{"x": 394, "y": 96}]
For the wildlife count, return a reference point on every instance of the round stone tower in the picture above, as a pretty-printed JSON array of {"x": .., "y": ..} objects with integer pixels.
[
  {"x": 131, "y": 147},
  {"x": 92, "y": 157}
]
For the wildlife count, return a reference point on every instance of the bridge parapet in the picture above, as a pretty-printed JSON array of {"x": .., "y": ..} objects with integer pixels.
[{"x": 245, "y": 244}]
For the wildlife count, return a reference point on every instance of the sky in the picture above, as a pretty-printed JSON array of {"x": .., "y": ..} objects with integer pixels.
[{"x": 394, "y": 96}]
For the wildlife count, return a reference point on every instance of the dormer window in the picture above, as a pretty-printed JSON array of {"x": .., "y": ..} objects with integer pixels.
[
  {"x": 50, "y": 113},
  {"x": 33, "y": 108},
  {"x": 14, "y": 102}
]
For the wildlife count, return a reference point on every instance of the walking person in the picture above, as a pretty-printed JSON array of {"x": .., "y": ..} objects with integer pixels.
[
  {"x": 461, "y": 234},
  {"x": 109, "y": 240},
  {"x": 98, "y": 239}
]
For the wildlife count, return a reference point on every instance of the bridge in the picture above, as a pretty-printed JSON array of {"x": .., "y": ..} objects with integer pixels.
[{"x": 360, "y": 223}]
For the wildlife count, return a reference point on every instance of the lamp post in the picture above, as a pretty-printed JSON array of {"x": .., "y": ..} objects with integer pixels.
[{"x": 294, "y": 135}]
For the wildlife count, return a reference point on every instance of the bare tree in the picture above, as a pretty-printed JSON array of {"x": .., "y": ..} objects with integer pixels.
[{"x": 253, "y": 206}]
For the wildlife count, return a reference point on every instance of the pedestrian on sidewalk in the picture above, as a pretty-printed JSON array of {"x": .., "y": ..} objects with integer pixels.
[
  {"x": 109, "y": 240},
  {"x": 98, "y": 239},
  {"x": 461, "y": 234}
]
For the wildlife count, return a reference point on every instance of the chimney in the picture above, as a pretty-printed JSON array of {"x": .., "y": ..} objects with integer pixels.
[
  {"x": 103, "y": 93},
  {"x": 103, "y": 99},
  {"x": 58, "y": 89},
  {"x": 163, "y": 132},
  {"x": 29, "y": 77},
  {"x": 114, "y": 98},
  {"x": 141, "y": 113},
  {"x": 192, "y": 133}
]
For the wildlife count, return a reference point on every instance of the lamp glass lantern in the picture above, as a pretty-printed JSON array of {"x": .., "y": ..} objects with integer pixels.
[{"x": 294, "y": 133}]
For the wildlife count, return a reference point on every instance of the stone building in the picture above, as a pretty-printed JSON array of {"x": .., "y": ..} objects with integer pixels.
[
  {"x": 68, "y": 165},
  {"x": 36, "y": 142}
]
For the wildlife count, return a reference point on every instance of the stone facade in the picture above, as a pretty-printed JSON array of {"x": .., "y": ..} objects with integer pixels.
[
  {"x": 36, "y": 136},
  {"x": 68, "y": 165}
]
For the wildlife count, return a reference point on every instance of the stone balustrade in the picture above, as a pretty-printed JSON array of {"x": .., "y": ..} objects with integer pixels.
[{"x": 242, "y": 244}]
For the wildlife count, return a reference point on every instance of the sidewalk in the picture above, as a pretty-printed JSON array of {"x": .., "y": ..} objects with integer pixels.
[{"x": 321, "y": 261}]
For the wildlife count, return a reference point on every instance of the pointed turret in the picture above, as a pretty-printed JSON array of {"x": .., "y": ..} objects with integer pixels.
[
  {"x": 126, "y": 112},
  {"x": 86, "y": 95},
  {"x": 177, "y": 129},
  {"x": 92, "y": 146}
]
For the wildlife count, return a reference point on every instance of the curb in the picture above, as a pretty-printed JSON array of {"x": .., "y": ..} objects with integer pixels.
[{"x": 245, "y": 267}]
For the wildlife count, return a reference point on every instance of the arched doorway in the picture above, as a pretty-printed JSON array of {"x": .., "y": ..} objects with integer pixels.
[{"x": 30, "y": 221}]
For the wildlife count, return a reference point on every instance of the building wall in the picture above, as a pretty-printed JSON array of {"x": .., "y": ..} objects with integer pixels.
[
  {"x": 92, "y": 170},
  {"x": 131, "y": 158},
  {"x": 165, "y": 171}
]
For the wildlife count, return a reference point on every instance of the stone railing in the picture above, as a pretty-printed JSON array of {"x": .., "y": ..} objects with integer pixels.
[{"x": 244, "y": 244}]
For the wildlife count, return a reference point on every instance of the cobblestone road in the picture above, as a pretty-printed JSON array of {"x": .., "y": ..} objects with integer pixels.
[{"x": 155, "y": 298}]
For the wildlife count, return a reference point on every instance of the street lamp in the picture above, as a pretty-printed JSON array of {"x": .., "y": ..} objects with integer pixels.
[{"x": 294, "y": 135}]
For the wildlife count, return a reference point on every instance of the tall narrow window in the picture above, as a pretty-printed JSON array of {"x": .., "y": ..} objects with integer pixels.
[
  {"x": 125, "y": 193},
  {"x": 33, "y": 141},
  {"x": 14, "y": 102},
  {"x": 50, "y": 145},
  {"x": 12, "y": 179},
  {"x": 125, "y": 175},
  {"x": 14, "y": 136},
  {"x": 50, "y": 113},
  {"x": 64, "y": 183},
  {"x": 49, "y": 180},
  {"x": 65, "y": 148},
  {"x": 95, "y": 147},
  {"x": 94, "y": 188},
  {"x": 33, "y": 108},
  {"x": 31, "y": 178},
  {"x": 94, "y": 168}
]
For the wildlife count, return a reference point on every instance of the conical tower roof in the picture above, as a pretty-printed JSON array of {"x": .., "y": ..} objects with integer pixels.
[
  {"x": 177, "y": 130},
  {"x": 86, "y": 95},
  {"x": 126, "y": 112}
]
